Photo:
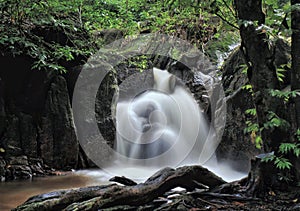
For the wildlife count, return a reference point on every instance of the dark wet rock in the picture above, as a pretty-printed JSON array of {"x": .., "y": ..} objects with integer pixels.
[
  {"x": 11, "y": 137},
  {"x": 18, "y": 172},
  {"x": 2, "y": 169},
  {"x": 35, "y": 110},
  {"x": 236, "y": 146},
  {"x": 59, "y": 128},
  {"x": 28, "y": 135},
  {"x": 38, "y": 128},
  {"x": 2, "y": 108},
  {"x": 20, "y": 160},
  {"x": 38, "y": 167},
  {"x": 104, "y": 101}
]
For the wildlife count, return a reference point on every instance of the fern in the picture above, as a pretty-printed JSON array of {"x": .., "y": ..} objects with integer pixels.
[
  {"x": 275, "y": 121},
  {"x": 285, "y": 148},
  {"x": 251, "y": 111},
  {"x": 279, "y": 74},
  {"x": 251, "y": 127},
  {"x": 298, "y": 134},
  {"x": 269, "y": 158},
  {"x": 285, "y": 95},
  {"x": 282, "y": 163},
  {"x": 297, "y": 151}
]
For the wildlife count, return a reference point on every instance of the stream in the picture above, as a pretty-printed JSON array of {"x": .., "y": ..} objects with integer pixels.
[{"x": 14, "y": 193}]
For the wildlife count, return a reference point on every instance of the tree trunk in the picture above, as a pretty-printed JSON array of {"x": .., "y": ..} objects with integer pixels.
[
  {"x": 295, "y": 76},
  {"x": 261, "y": 69},
  {"x": 295, "y": 80},
  {"x": 259, "y": 54}
]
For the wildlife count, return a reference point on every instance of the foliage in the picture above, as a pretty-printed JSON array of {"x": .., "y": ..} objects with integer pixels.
[
  {"x": 22, "y": 32},
  {"x": 280, "y": 161},
  {"x": 274, "y": 121},
  {"x": 189, "y": 20},
  {"x": 285, "y": 95}
]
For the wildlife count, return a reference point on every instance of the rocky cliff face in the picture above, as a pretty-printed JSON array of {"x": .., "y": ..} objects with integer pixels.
[
  {"x": 36, "y": 124},
  {"x": 37, "y": 131}
]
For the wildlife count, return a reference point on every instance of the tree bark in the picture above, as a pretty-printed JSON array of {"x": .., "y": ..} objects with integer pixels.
[
  {"x": 295, "y": 80},
  {"x": 261, "y": 69},
  {"x": 260, "y": 55},
  {"x": 295, "y": 76}
]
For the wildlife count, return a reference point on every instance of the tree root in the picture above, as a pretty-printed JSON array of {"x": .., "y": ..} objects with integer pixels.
[{"x": 93, "y": 198}]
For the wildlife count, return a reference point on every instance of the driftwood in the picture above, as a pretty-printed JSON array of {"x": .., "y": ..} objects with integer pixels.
[{"x": 99, "y": 197}]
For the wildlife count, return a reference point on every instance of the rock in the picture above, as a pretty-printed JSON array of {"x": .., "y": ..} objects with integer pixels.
[
  {"x": 18, "y": 172},
  {"x": 59, "y": 145},
  {"x": 2, "y": 169},
  {"x": 35, "y": 111},
  {"x": 236, "y": 147},
  {"x": 20, "y": 160},
  {"x": 48, "y": 132},
  {"x": 2, "y": 108},
  {"x": 103, "y": 108},
  {"x": 29, "y": 135},
  {"x": 11, "y": 137},
  {"x": 37, "y": 167}
]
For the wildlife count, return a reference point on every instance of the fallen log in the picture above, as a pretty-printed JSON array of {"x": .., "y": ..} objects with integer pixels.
[{"x": 94, "y": 198}]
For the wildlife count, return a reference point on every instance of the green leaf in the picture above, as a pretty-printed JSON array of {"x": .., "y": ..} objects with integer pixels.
[
  {"x": 297, "y": 152},
  {"x": 258, "y": 142},
  {"x": 251, "y": 111},
  {"x": 282, "y": 163},
  {"x": 247, "y": 87},
  {"x": 286, "y": 147},
  {"x": 268, "y": 158},
  {"x": 298, "y": 134}
]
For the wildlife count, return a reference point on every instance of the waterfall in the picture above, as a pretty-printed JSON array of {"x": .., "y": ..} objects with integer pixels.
[{"x": 162, "y": 126}]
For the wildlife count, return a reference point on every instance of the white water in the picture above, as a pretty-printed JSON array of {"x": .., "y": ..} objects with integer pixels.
[
  {"x": 163, "y": 127},
  {"x": 160, "y": 127}
]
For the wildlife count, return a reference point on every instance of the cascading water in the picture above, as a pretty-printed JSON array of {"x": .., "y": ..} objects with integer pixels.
[
  {"x": 157, "y": 125},
  {"x": 163, "y": 126}
]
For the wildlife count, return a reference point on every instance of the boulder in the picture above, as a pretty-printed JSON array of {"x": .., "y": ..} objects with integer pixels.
[
  {"x": 2, "y": 169},
  {"x": 58, "y": 141}
]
